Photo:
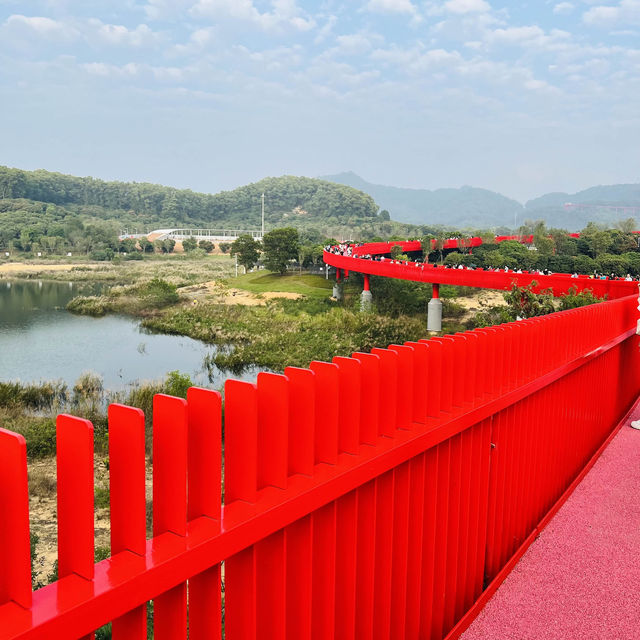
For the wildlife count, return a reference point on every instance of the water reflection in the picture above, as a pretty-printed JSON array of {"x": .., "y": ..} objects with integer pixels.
[{"x": 39, "y": 340}]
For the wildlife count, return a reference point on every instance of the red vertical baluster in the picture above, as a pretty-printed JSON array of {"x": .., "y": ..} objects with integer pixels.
[
  {"x": 346, "y": 549},
  {"x": 15, "y": 564},
  {"x": 508, "y": 371},
  {"x": 241, "y": 441},
  {"x": 471, "y": 361},
  {"x": 75, "y": 497},
  {"x": 400, "y": 550},
  {"x": 487, "y": 372},
  {"x": 302, "y": 416},
  {"x": 404, "y": 395},
  {"x": 462, "y": 378},
  {"x": 128, "y": 501},
  {"x": 273, "y": 427},
  {"x": 483, "y": 513},
  {"x": 240, "y": 474},
  {"x": 270, "y": 587},
  {"x": 273, "y": 462},
  {"x": 464, "y": 555},
  {"x": 204, "y": 411},
  {"x": 170, "y": 504},
  {"x": 427, "y": 585},
  {"x": 365, "y": 557},
  {"x": 501, "y": 362},
  {"x": 383, "y": 550},
  {"x": 326, "y": 425},
  {"x": 299, "y": 579},
  {"x": 434, "y": 398},
  {"x": 453, "y": 535},
  {"x": 516, "y": 353},
  {"x": 420, "y": 380},
  {"x": 441, "y": 536},
  {"x": 417, "y": 488},
  {"x": 389, "y": 382},
  {"x": 369, "y": 396},
  {"x": 349, "y": 404},
  {"x": 323, "y": 573},
  {"x": 446, "y": 377}
]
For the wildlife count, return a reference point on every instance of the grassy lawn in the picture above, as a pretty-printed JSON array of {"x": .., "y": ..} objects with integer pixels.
[{"x": 264, "y": 281}]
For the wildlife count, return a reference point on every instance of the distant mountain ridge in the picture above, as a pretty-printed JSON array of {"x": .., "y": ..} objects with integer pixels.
[
  {"x": 463, "y": 207},
  {"x": 615, "y": 194},
  {"x": 480, "y": 208}
]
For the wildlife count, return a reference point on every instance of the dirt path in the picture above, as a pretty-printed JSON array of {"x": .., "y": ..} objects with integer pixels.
[
  {"x": 214, "y": 291},
  {"x": 475, "y": 303}
]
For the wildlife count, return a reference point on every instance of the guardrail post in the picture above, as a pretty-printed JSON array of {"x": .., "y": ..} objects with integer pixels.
[
  {"x": 434, "y": 310},
  {"x": 365, "y": 297}
]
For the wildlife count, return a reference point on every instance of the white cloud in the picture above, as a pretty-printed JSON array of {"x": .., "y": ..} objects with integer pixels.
[
  {"x": 165, "y": 9},
  {"x": 356, "y": 43},
  {"x": 461, "y": 7},
  {"x": 284, "y": 13},
  {"x": 119, "y": 35},
  {"x": 627, "y": 12},
  {"x": 134, "y": 70},
  {"x": 563, "y": 8},
  {"x": 23, "y": 26},
  {"x": 391, "y": 6}
]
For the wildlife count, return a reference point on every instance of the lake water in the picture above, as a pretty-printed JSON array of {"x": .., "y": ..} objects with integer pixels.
[{"x": 39, "y": 340}]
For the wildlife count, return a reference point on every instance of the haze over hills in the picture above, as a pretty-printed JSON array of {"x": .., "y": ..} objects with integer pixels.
[
  {"x": 480, "y": 208},
  {"x": 463, "y": 207}
]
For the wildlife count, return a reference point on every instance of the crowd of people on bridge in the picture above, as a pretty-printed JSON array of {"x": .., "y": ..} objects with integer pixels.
[{"x": 347, "y": 250}]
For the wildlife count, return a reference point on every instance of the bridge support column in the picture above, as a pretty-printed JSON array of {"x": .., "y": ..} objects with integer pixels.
[
  {"x": 365, "y": 297},
  {"x": 434, "y": 310},
  {"x": 337, "y": 286}
]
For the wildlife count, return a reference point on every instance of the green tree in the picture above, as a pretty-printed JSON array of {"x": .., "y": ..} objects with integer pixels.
[
  {"x": 145, "y": 245},
  {"x": 224, "y": 246},
  {"x": 628, "y": 225},
  {"x": 207, "y": 245},
  {"x": 247, "y": 249},
  {"x": 524, "y": 303},
  {"x": 189, "y": 244},
  {"x": 280, "y": 246},
  {"x": 598, "y": 240}
]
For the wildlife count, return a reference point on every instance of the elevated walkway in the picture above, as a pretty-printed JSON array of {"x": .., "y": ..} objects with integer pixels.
[{"x": 581, "y": 578}]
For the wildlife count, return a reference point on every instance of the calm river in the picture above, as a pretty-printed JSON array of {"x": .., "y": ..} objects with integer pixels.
[{"x": 39, "y": 340}]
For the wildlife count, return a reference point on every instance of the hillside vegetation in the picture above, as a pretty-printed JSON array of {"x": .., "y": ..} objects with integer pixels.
[{"x": 37, "y": 204}]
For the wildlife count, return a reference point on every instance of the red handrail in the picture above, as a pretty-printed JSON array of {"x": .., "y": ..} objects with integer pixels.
[{"x": 374, "y": 496}]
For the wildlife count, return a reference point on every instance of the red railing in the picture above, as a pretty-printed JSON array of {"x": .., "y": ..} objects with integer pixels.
[
  {"x": 377, "y": 496},
  {"x": 558, "y": 283}
]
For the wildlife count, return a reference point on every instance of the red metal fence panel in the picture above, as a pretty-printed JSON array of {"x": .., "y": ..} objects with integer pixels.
[{"x": 372, "y": 497}]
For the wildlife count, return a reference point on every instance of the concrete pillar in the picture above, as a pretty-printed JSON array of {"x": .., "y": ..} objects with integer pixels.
[
  {"x": 366, "y": 298},
  {"x": 434, "y": 310}
]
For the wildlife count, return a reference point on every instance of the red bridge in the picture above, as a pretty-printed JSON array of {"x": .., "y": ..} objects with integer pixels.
[{"x": 382, "y": 495}]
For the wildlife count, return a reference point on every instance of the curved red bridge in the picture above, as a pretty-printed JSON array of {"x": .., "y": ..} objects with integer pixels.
[{"x": 558, "y": 283}]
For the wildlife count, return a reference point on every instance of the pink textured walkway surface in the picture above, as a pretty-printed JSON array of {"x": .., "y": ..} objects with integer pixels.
[{"x": 581, "y": 578}]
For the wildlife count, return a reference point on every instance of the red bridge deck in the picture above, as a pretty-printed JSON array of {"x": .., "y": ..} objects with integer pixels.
[{"x": 581, "y": 578}]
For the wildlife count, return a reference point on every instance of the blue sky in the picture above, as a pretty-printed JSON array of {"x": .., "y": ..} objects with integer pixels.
[{"x": 519, "y": 97}]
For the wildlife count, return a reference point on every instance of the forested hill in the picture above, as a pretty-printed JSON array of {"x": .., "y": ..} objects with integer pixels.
[
  {"x": 463, "y": 207},
  {"x": 601, "y": 202},
  {"x": 287, "y": 198},
  {"x": 622, "y": 194}
]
